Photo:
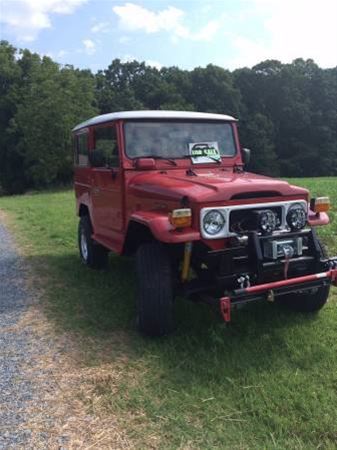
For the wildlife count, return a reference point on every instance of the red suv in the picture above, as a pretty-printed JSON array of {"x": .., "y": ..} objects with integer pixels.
[{"x": 171, "y": 188}]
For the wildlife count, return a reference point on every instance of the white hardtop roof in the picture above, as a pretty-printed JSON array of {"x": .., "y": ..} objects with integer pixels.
[{"x": 124, "y": 115}]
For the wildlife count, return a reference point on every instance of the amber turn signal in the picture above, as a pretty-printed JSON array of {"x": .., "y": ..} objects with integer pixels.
[
  {"x": 181, "y": 218},
  {"x": 320, "y": 204}
]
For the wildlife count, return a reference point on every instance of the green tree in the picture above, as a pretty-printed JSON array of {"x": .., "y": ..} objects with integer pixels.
[
  {"x": 10, "y": 75},
  {"x": 49, "y": 101},
  {"x": 258, "y": 135},
  {"x": 114, "y": 90},
  {"x": 212, "y": 90}
]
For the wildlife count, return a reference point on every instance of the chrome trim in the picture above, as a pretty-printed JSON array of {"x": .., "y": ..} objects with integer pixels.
[{"x": 226, "y": 211}]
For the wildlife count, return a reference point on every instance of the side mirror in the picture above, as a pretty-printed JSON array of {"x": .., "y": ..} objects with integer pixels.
[
  {"x": 97, "y": 158},
  {"x": 246, "y": 154}
]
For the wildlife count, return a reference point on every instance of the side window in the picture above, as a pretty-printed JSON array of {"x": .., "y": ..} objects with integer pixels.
[
  {"x": 106, "y": 144},
  {"x": 81, "y": 150}
]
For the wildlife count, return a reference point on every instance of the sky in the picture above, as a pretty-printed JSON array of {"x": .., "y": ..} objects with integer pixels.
[{"x": 184, "y": 33}]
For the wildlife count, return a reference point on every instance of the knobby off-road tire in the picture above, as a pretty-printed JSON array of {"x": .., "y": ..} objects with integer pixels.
[
  {"x": 92, "y": 254},
  {"x": 308, "y": 302},
  {"x": 154, "y": 290}
]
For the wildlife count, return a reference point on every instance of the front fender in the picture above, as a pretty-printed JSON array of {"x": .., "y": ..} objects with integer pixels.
[
  {"x": 161, "y": 228},
  {"x": 319, "y": 219}
]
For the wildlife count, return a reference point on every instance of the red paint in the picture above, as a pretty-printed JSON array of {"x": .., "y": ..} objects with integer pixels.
[{"x": 331, "y": 274}]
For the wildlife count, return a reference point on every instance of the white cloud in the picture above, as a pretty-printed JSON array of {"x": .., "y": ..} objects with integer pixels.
[
  {"x": 248, "y": 52},
  {"x": 101, "y": 27},
  {"x": 208, "y": 32},
  {"x": 89, "y": 46},
  {"x": 292, "y": 29},
  {"x": 154, "y": 64},
  {"x": 149, "y": 62},
  {"x": 25, "y": 18},
  {"x": 56, "y": 55},
  {"x": 133, "y": 17},
  {"x": 128, "y": 58}
]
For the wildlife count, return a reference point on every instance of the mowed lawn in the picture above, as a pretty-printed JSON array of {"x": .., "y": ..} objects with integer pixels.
[{"x": 268, "y": 380}]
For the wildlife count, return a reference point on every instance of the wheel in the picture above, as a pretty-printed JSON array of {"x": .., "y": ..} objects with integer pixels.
[
  {"x": 92, "y": 254},
  {"x": 155, "y": 290},
  {"x": 307, "y": 302},
  {"x": 310, "y": 301}
]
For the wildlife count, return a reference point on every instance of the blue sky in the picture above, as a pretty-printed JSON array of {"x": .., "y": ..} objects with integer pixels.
[{"x": 185, "y": 33}]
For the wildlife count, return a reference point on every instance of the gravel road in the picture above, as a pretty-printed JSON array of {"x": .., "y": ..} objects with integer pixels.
[
  {"x": 40, "y": 382},
  {"x": 19, "y": 349}
]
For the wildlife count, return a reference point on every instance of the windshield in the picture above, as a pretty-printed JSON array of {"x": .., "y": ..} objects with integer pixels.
[{"x": 175, "y": 139}]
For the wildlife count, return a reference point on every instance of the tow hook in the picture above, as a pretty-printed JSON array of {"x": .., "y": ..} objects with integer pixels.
[
  {"x": 333, "y": 263},
  {"x": 225, "y": 308},
  {"x": 244, "y": 281},
  {"x": 333, "y": 269},
  {"x": 270, "y": 296}
]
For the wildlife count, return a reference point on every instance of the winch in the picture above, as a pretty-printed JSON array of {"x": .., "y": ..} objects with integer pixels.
[{"x": 275, "y": 249}]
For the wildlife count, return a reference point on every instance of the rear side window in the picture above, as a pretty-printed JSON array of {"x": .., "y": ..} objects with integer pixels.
[
  {"x": 106, "y": 144},
  {"x": 81, "y": 150}
]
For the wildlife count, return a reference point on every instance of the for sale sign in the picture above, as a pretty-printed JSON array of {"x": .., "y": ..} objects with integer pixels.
[{"x": 204, "y": 152}]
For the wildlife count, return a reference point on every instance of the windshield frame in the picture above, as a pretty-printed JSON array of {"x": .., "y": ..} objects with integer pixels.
[{"x": 186, "y": 156}]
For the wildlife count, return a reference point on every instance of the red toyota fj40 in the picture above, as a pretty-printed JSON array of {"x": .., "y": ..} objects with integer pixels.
[{"x": 171, "y": 188}]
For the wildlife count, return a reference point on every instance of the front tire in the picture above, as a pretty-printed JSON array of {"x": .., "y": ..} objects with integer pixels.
[
  {"x": 92, "y": 254},
  {"x": 307, "y": 302},
  {"x": 155, "y": 290}
]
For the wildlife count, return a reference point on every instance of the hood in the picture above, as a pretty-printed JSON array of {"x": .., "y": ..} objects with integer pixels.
[{"x": 210, "y": 186}]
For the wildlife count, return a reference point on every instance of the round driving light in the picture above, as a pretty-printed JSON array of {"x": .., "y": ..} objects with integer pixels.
[
  {"x": 296, "y": 217},
  {"x": 267, "y": 221},
  {"x": 213, "y": 222}
]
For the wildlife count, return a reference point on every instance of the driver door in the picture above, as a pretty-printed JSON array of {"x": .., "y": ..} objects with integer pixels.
[{"x": 107, "y": 184}]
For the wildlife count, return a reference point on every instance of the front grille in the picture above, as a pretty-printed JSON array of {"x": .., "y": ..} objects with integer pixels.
[
  {"x": 242, "y": 220},
  {"x": 245, "y": 217}
]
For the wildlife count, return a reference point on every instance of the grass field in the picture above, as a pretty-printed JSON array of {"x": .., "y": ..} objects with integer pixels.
[{"x": 269, "y": 380}]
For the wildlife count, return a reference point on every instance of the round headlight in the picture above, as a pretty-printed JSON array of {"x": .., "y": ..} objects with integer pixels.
[
  {"x": 267, "y": 221},
  {"x": 296, "y": 217},
  {"x": 213, "y": 222}
]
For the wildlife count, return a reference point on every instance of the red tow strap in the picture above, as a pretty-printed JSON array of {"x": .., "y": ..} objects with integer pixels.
[{"x": 286, "y": 267}]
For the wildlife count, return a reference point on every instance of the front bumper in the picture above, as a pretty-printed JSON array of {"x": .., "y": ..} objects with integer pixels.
[{"x": 269, "y": 291}]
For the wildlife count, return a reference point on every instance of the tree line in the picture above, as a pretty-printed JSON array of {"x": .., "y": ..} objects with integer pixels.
[{"x": 287, "y": 112}]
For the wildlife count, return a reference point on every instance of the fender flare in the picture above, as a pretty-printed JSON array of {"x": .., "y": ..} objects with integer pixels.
[
  {"x": 160, "y": 227},
  {"x": 315, "y": 220}
]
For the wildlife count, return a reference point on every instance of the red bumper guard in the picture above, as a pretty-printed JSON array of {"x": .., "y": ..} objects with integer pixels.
[{"x": 267, "y": 288}]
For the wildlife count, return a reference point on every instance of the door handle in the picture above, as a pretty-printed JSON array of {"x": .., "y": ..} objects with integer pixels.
[{"x": 96, "y": 190}]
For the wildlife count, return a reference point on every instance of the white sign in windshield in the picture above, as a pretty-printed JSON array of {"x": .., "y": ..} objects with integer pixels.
[{"x": 204, "y": 152}]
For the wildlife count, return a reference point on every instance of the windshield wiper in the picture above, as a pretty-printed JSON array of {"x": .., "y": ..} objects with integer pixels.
[
  {"x": 172, "y": 161},
  {"x": 210, "y": 157}
]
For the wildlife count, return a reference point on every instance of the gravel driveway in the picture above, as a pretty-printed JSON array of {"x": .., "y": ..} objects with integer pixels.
[
  {"x": 40, "y": 380},
  {"x": 19, "y": 350}
]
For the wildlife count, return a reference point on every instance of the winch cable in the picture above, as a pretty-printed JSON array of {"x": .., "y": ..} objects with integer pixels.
[{"x": 288, "y": 252}]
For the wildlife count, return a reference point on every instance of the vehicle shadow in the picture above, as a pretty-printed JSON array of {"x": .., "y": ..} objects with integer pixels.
[{"x": 99, "y": 309}]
